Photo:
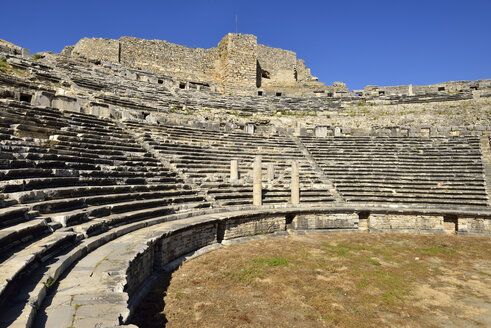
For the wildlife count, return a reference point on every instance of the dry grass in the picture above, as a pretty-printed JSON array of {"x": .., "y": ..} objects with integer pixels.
[{"x": 335, "y": 280}]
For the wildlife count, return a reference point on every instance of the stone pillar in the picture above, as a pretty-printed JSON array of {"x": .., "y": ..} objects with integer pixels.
[
  {"x": 337, "y": 131},
  {"x": 257, "y": 187},
  {"x": 270, "y": 172},
  {"x": 320, "y": 131},
  {"x": 250, "y": 128},
  {"x": 234, "y": 170},
  {"x": 295, "y": 184},
  {"x": 410, "y": 90}
]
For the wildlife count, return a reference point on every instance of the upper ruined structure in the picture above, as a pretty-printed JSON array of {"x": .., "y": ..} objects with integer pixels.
[{"x": 238, "y": 65}]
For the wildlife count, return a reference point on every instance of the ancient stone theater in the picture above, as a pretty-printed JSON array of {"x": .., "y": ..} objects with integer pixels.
[{"x": 122, "y": 158}]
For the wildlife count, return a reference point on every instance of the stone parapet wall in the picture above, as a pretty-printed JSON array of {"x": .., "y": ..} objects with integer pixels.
[
  {"x": 243, "y": 227},
  {"x": 405, "y": 223},
  {"x": 181, "y": 242},
  {"x": 325, "y": 221}
]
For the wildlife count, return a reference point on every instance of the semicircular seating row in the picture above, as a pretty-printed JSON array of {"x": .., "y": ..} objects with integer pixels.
[{"x": 71, "y": 182}]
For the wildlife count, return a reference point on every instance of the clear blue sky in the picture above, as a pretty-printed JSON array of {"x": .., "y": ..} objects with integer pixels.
[{"x": 357, "y": 42}]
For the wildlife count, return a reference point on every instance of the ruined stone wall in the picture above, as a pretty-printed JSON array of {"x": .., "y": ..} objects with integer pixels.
[
  {"x": 100, "y": 49},
  {"x": 303, "y": 73},
  {"x": 278, "y": 65},
  {"x": 238, "y": 62},
  {"x": 168, "y": 58},
  {"x": 235, "y": 65}
]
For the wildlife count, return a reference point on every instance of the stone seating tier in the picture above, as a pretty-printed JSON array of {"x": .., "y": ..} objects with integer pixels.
[
  {"x": 446, "y": 171},
  {"x": 204, "y": 157},
  {"x": 66, "y": 176}
]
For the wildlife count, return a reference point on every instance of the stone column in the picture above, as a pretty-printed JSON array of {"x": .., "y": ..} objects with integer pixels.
[
  {"x": 295, "y": 184},
  {"x": 257, "y": 187},
  {"x": 250, "y": 128},
  {"x": 410, "y": 90},
  {"x": 320, "y": 131},
  {"x": 234, "y": 170},
  {"x": 270, "y": 172}
]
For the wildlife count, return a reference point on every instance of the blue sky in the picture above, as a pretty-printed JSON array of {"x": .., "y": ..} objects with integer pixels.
[{"x": 357, "y": 42}]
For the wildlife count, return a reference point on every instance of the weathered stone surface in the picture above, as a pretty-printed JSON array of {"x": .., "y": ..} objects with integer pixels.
[
  {"x": 411, "y": 224},
  {"x": 327, "y": 221}
]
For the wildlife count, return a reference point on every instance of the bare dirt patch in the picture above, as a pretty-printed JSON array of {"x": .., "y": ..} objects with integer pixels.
[{"x": 335, "y": 280}]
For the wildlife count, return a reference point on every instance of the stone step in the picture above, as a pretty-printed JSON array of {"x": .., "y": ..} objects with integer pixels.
[
  {"x": 83, "y": 191},
  {"x": 407, "y": 175},
  {"x": 416, "y": 189},
  {"x": 422, "y": 179},
  {"x": 416, "y": 200},
  {"x": 99, "y": 225},
  {"x": 13, "y": 215},
  {"x": 21, "y": 233},
  {"x": 410, "y": 194},
  {"x": 14, "y": 268},
  {"x": 10, "y": 174},
  {"x": 37, "y": 183},
  {"x": 87, "y": 211}
]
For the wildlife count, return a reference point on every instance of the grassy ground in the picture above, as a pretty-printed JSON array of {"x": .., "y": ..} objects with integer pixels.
[{"x": 335, "y": 280}]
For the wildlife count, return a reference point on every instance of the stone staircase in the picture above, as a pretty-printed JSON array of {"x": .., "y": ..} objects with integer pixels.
[
  {"x": 65, "y": 178},
  {"x": 203, "y": 157},
  {"x": 486, "y": 161}
]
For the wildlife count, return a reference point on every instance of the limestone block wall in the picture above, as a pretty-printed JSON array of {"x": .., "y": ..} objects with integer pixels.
[
  {"x": 181, "y": 242},
  {"x": 140, "y": 268},
  {"x": 325, "y": 221},
  {"x": 100, "y": 49},
  {"x": 238, "y": 62},
  {"x": 242, "y": 227},
  {"x": 474, "y": 226},
  {"x": 168, "y": 58},
  {"x": 406, "y": 223},
  {"x": 278, "y": 65}
]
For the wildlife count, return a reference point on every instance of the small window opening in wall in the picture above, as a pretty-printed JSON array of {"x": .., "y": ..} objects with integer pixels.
[
  {"x": 265, "y": 74},
  {"x": 259, "y": 93},
  {"x": 359, "y": 94},
  {"x": 278, "y": 94},
  {"x": 329, "y": 94},
  {"x": 160, "y": 81},
  {"x": 381, "y": 93},
  {"x": 26, "y": 98},
  {"x": 182, "y": 85},
  {"x": 441, "y": 88}
]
